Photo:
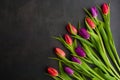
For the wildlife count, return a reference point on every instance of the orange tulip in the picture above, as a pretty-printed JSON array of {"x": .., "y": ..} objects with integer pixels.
[{"x": 60, "y": 52}]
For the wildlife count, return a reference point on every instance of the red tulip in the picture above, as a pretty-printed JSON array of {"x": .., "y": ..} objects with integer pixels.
[
  {"x": 60, "y": 52},
  {"x": 68, "y": 39},
  {"x": 105, "y": 8},
  {"x": 71, "y": 29},
  {"x": 52, "y": 71},
  {"x": 90, "y": 23}
]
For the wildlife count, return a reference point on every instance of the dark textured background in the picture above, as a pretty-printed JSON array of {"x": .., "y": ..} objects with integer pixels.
[{"x": 26, "y": 27}]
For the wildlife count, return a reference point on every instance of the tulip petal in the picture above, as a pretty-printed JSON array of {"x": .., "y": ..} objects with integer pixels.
[
  {"x": 83, "y": 32},
  {"x": 79, "y": 50},
  {"x": 94, "y": 12},
  {"x": 60, "y": 52},
  {"x": 52, "y": 71},
  {"x": 74, "y": 59},
  {"x": 71, "y": 29},
  {"x": 105, "y": 8},
  {"x": 68, "y": 70},
  {"x": 68, "y": 39}
]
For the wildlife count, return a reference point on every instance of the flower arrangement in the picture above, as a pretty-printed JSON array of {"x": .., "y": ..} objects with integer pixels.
[{"x": 92, "y": 50}]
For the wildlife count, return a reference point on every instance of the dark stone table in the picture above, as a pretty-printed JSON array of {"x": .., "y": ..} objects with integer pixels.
[{"x": 26, "y": 27}]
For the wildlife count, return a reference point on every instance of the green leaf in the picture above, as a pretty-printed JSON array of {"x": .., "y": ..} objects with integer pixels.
[
  {"x": 55, "y": 78},
  {"x": 108, "y": 77},
  {"x": 74, "y": 43},
  {"x": 95, "y": 78},
  {"x": 95, "y": 36},
  {"x": 55, "y": 58},
  {"x": 83, "y": 40},
  {"x": 89, "y": 14},
  {"x": 78, "y": 75}
]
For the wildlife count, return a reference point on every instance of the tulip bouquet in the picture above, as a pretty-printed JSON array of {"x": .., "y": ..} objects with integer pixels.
[{"x": 92, "y": 52}]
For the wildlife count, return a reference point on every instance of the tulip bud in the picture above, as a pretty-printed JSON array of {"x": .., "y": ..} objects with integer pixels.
[
  {"x": 68, "y": 39},
  {"x": 83, "y": 32},
  {"x": 90, "y": 23},
  {"x": 79, "y": 50},
  {"x": 52, "y": 71},
  {"x": 71, "y": 29},
  {"x": 94, "y": 12},
  {"x": 60, "y": 52},
  {"x": 69, "y": 71},
  {"x": 105, "y": 9},
  {"x": 74, "y": 59}
]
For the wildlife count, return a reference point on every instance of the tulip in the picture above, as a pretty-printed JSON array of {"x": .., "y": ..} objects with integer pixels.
[
  {"x": 90, "y": 23},
  {"x": 83, "y": 32},
  {"x": 105, "y": 9},
  {"x": 94, "y": 12},
  {"x": 68, "y": 39},
  {"x": 71, "y": 29},
  {"x": 69, "y": 71},
  {"x": 74, "y": 59},
  {"x": 80, "y": 51},
  {"x": 52, "y": 71},
  {"x": 60, "y": 52}
]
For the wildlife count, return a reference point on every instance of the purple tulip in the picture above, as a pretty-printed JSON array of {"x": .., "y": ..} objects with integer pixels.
[
  {"x": 83, "y": 32},
  {"x": 94, "y": 12},
  {"x": 74, "y": 59},
  {"x": 79, "y": 50},
  {"x": 69, "y": 71}
]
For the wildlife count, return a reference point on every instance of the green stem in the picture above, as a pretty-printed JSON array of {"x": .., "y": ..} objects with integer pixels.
[
  {"x": 97, "y": 63},
  {"x": 61, "y": 78},
  {"x": 105, "y": 39},
  {"x": 115, "y": 51},
  {"x": 103, "y": 51},
  {"x": 93, "y": 72},
  {"x": 110, "y": 37},
  {"x": 104, "y": 68},
  {"x": 78, "y": 78},
  {"x": 110, "y": 71},
  {"x": 57, "y": 78}
]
